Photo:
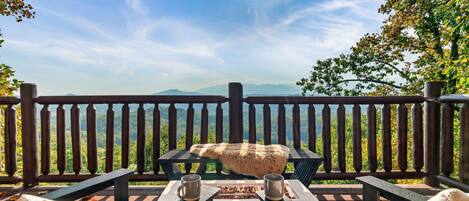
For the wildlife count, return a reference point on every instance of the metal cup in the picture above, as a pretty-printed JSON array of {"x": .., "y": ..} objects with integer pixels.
[
  {"x": 190, "y": 187},
  {"x": 273, "y": 186}
]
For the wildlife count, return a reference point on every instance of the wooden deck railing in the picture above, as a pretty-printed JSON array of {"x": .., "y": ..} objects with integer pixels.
[
  {"x": 390, "y": 122},
  {"x": 8, "y": 131}
]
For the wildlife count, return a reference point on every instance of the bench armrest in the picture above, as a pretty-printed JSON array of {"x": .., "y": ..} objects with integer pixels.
[
  {"x": 373, "y": 188},
  {"x": 119, "y": 179}
]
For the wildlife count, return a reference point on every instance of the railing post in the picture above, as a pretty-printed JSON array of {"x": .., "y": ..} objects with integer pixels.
[
  {"x": 235, "y": 91},
  {"x": 29, "y": 138},
  {"x": 464, "y": 143},
  {"x": 432, "y": 132}
]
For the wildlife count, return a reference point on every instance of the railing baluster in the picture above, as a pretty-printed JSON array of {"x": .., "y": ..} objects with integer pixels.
[
  {"x": 75, "y": 130},
  {"x": 140, "y": 139},
  {"x": 267, "y": 125},
  {"x": 386, "y": 135},
  {"x": 10, "y": 141},
  {"x": 296, "y": 126},
  {"x": 45, "y": 140},
  {"x": 189, "y": 133},
  {"x": 252, "y": 123},
  {"x": 357, "y": 143},
  {"x": 219, "y": 131},
  {"x": 125, "y": 136},
  {"x": 6, "y": 128},
  {"x": 156, "y": 138},
  {"x": 402, "y": 137},
  {"x": 172, "y": 126},
  {"x": 109, "y": 138},
  {"x": 61, "y": 160},
  {"x": 311, "y": 128},
  {"x": 204, "y": 125},
  {"x": 341, "y": 137},
  {"x": 464, "y": 143},
  {"x": 219, "y": 124},
  {"x": 447, "y": 140},
  {"x": 417, "y": 137},
  {"x": 91, "y": 143},
  {"x": 372, "y": 159},
  {"x": 326, "y": 137},
  {"x": 281, "y": 125}
]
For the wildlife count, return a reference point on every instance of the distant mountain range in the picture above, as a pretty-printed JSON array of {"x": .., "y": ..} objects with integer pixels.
[{"x": 248, "y": 89}]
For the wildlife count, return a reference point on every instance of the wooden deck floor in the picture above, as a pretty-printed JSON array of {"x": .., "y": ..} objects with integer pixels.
[{"x": 147, "y": 193}]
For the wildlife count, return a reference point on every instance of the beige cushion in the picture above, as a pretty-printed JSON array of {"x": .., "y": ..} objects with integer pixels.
[
  {"x": 451, "y": 194},
  {"x": 26, "y": 197}
]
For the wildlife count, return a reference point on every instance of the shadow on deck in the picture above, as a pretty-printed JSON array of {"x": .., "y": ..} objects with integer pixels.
[{"x": 147, "y": 193}]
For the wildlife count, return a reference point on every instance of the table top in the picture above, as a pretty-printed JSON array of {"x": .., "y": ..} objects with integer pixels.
[
  {"x": 300, "y": 191},
  {"x": 181, "y": 156}
]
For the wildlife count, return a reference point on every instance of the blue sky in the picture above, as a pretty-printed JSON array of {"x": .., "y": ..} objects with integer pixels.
[{"x": 141, "y": 47}]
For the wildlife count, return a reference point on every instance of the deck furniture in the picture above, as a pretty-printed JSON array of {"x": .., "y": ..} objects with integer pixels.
[
  {"x": 299, "y": 190},
  {"x": 373, "y": 188},
  {"x": 119, "y": 179},
  {"x": 306, "y": 162}
]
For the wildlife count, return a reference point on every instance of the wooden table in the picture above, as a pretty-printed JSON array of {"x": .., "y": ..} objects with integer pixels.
[
  {"x": 300, "y": 192},
  {"x": 306, "y": 166}
]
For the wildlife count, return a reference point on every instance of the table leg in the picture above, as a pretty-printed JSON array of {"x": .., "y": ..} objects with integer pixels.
[
  {"x": 305, "y": 171},
  {"x": 172, "y": 171}
]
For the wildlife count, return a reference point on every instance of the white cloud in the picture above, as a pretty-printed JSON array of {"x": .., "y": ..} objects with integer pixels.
[{"x": 176, "y": 53}]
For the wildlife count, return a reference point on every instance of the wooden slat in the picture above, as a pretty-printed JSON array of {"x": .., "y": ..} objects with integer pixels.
[
  {"x": 219, "y": 124},
  {"x": 125, "y": 136},
  {"x": 417, "y": 137},
  {"x": 189, "y": 132},
  {"x": 464, "y": 143},
  {"x": 372, "y": 158},
  {"x": 61, "y": 160},
  {"x": 10, "y": 141},
  {"x": 120, "y": 99},
  {"x": 45, "y": 140},
  {"x": 333, "y": 99},
  {"x": 140, "y": 139},
  {"x": 267, "y": 125},
  {"x": 219, "y": 131},
  {"x": 296, "y": 126},
  {"x": 252, "y": 123},
  {"x": 386, "y": 135},
  {"x": 326, "y": 137},
  {"x": 311, "y": 128},
  {"x": 91, "y": 143},
  {"x": 357, "y": 140},
  {"x": 204, "y": 125},
  {"x": 281, "y": 125},
  {"x": 109, "y": 139},
  {"x": 6, "y": 127},
  {"x": 76, "y": 145},
  {"x": 341, "y": 137},
  {"x": 402, "y": 137},
  {"x": 447, "y": 139},
  {"x": 172, "y": 126},
  {"x": 156, "y": 139}
]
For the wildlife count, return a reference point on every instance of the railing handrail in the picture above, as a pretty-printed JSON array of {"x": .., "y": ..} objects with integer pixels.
[
  {"x": 9, "y": 100},
  {"x": 333, "y": 99},
  {"x": 137, "y": 99},
  {"x": 454, "y": 98}
]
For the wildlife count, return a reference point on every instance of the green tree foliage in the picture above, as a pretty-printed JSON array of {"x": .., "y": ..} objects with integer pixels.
[
  {"x": 420, "y": 40},
  {"x": 19, "y": 10}
]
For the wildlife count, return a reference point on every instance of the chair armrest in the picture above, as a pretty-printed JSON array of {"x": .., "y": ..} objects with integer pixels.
[
  {"x": 119, "y": 178},
  {"x": 373, "y": 188}
]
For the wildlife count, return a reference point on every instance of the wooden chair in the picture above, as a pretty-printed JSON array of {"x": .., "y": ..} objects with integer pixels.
[
  {"x": 373, "y": 188},
  {"x": 119, "y": 179}
]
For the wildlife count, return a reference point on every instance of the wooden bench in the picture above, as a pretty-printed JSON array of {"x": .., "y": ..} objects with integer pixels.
[
  {"x": 373, "y": 188},
  {"x": 119, "y": 179},
  {"x": 306, "y": 166}
]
